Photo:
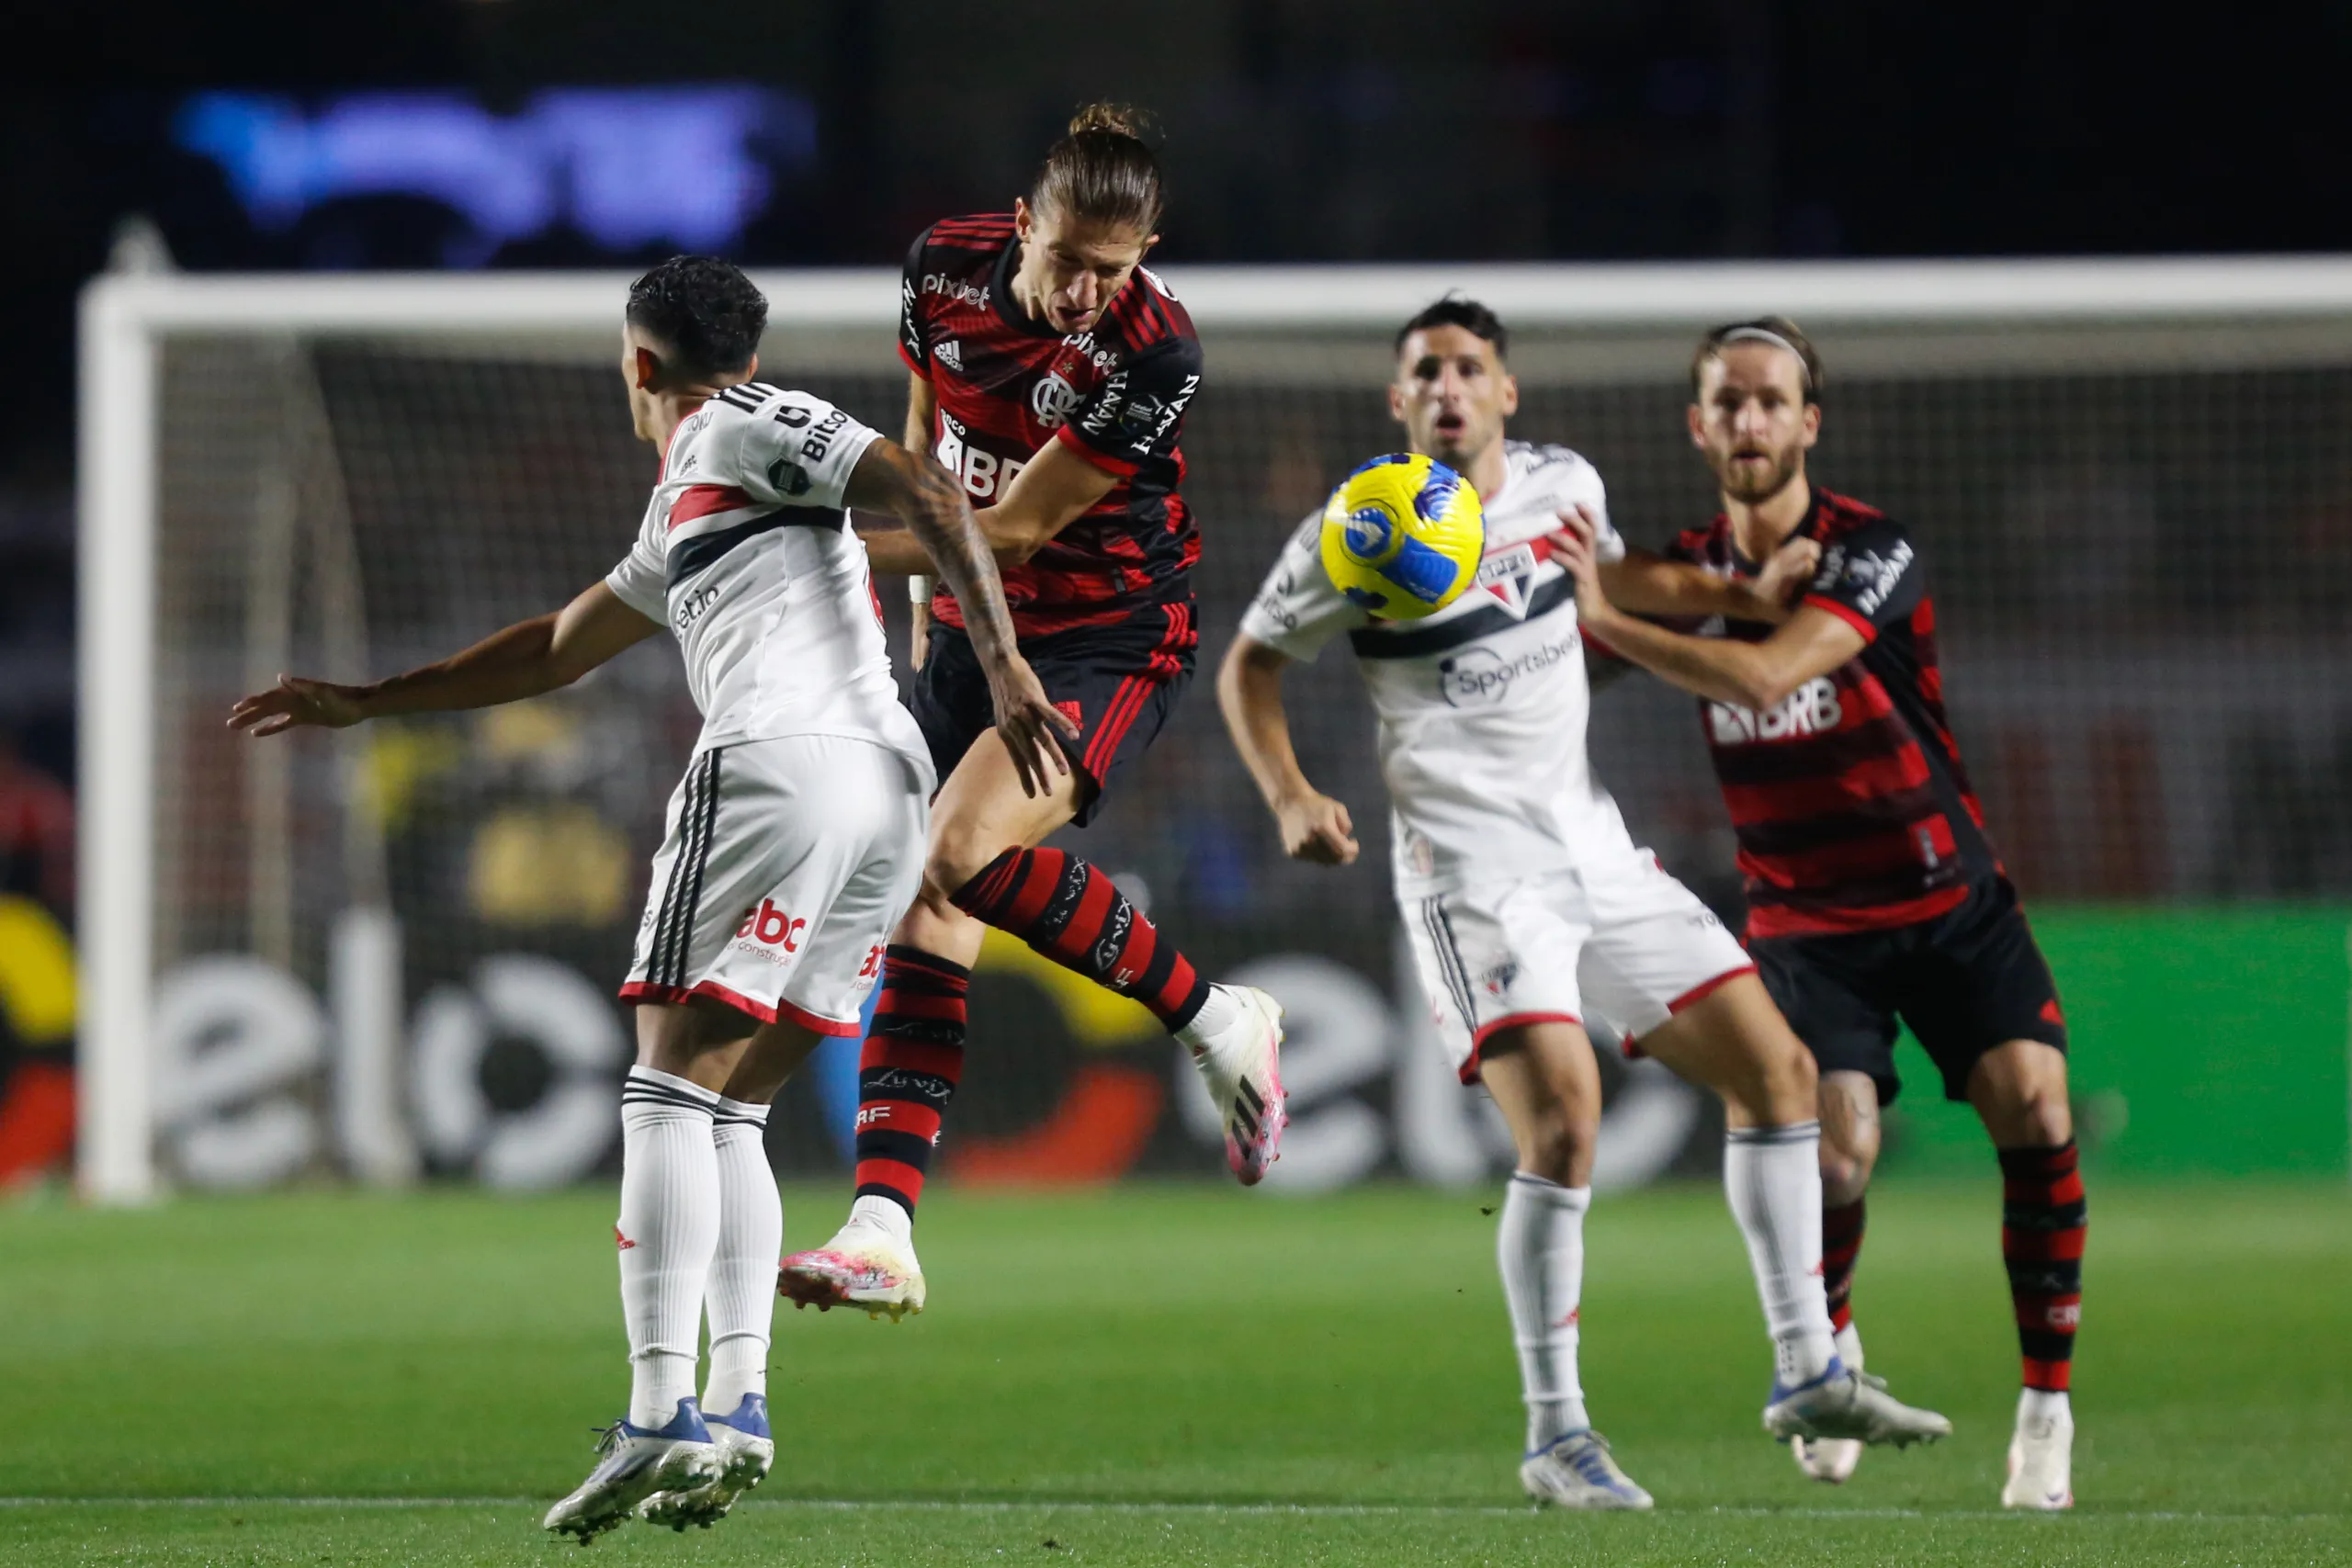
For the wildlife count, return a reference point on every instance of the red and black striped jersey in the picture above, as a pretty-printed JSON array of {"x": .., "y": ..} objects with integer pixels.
[
  {"x": 1009, "y": 384},
  {"x": 1852, "y": 809}
]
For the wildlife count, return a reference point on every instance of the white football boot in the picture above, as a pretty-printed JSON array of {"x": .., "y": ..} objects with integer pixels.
[
  {"x": 2041, "y": 1454},
  {"x": 863, "y": 1266},
  {"x": 1241, "y": 1064},
  {"x": 1843, "y": 1403},
  {"x": 746, "y": 1452},
  {"x": 1833, "y": 1459},
  {"x": 634, "y": 1463},
  {"x": 1578, "y": 1471}
]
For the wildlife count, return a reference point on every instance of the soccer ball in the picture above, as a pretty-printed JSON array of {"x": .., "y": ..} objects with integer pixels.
[{"x": 1403, "y": 535}]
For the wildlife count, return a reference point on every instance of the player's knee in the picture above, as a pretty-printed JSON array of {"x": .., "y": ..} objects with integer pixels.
[
  {"x": 1557, "y": 1144},
  {"x": 2020, "y": 1091},
  {"x": 1845, "y": 1168},
  {"x": 959, "y": 853}
]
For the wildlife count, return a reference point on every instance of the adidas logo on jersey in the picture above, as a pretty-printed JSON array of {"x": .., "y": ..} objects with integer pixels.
[{"x": 950, "y": 353}]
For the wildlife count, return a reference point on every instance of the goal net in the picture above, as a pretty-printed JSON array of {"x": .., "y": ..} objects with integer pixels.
[{"x": 389, "y": 952}]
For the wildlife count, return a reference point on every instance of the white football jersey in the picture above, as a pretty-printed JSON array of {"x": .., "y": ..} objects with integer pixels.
[
  {"x": 747, "y": 555},
  {"x": 1482, "y": 704}
]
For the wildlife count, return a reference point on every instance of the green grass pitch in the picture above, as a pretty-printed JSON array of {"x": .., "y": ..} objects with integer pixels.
[{"x": 1156, "y": 1374}]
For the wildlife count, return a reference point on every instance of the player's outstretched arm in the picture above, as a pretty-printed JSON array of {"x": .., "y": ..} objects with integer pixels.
[
  {"x": 926, "y": 498},
  {"x": 1755, "y": 675},
  {"x": 527, "y": 659},
  {"x": 1055, "y": 490},
  {"x": 923, "y": 417},
  {"x": 1249, "y": 691},
  {"x": 1649, "y": 584}
]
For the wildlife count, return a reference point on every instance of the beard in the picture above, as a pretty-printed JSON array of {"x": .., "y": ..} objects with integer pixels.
[{"x": 1748, "y": 484}]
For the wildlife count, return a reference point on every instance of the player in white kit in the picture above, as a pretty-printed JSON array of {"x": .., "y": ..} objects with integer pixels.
[
  {"x": 795, "y": 841},
  {"x": 1530, "y": 908}
]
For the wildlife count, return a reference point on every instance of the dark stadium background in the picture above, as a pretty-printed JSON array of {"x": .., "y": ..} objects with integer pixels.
[{"x": 1293, "y": 131}]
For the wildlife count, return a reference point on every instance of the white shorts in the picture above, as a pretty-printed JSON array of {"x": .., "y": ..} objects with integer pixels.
[
  {"x": 1623, "y": 939},
  {"x": 786, "y": 866}
]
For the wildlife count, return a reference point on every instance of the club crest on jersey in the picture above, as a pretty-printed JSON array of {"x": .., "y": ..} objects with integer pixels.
[
  {"x": 1509, "y": 576},
  {"x": 1053, "y": 400}
]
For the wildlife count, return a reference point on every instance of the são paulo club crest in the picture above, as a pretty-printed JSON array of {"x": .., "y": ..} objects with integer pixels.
[{"x": 1508, "y": 576}]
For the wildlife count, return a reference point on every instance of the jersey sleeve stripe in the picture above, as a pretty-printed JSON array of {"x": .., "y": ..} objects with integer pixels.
[
  {"x": 702, "y": 500},
  {"x": 1103, "y": 460},
  {"x": 1845, "y": 613}
]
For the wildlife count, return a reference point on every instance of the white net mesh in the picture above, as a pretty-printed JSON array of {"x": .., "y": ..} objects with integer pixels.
[{"x": 2140, "y": 536}]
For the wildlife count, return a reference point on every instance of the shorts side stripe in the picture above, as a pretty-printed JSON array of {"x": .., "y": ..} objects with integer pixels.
[
  {"x": 702, "y": 863},
  {"x": 667, "y": 913},
  {"x": 1449, "y": 961}
]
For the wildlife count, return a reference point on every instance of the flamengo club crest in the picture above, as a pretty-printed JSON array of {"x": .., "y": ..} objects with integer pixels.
[{"x": 1052, "y": 399}]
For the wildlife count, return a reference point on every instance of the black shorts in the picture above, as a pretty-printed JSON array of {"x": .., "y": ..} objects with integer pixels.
[
  {"x": 1120, "y": 681},
  {"x": 1966, "y": 982}
]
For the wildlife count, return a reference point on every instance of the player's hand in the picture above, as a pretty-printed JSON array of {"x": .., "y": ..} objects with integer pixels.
[
  {"x": 1786, "y": 574},
  {"x": 920, "y": 644},
  {"x": 1032, "y": 728},
  {"x": 1575, "y": 548},
  {"x": 295, "y": 701},
  {"x": 1317, "y": 828}
]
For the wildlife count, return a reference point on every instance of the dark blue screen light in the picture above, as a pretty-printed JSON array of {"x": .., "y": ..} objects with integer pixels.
[{"x": 625, "y": 166}]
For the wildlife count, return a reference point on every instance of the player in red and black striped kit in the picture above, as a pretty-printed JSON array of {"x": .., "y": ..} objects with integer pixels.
[
  {"x": 1875, "y": 894},
  {"x": 1050, "y": 372}
]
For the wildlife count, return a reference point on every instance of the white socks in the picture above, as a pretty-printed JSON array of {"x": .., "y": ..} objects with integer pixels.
[
  {"x": 667, "y": 1233},
  {"x": 1218, "y": 1010},
  {"x": 885, "y": 1214},
  {"x": 1772, "y": 1176},
  {"x": 740, "y": 1293},
  {"x": 1540, "y": 1247}
]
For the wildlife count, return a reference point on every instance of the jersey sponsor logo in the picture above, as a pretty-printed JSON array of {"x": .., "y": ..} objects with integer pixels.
[
  {"x": 690, "y": 609},
  {"x": 950, "y": 353},
  {"x": 1480, "y": 677},
  {"x": 1269, "y": 604},
  {"x": 1169, "y": 415},
  {"x": 925, "y": 1083},
  {"x": 955, "y": 289},
  {"x": 1868, "y": 575},
  {"x": 1811, "y": 709},
  {"x": 1052, "y": 399},
  {"x": 981, "y": 471},
  {"x": 1107, "y": 405}
]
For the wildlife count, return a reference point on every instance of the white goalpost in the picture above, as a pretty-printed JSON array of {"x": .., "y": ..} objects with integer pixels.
[{"x": 343, "y": 473}]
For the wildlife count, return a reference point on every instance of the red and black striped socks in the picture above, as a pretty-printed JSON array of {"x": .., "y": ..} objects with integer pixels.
[
  {"x": 908, "y": 1072},
  {"x": 1076, "y": 917},
  {"x": 2042, "y": 1227},
  {"x": 1841, "y": 1249}
]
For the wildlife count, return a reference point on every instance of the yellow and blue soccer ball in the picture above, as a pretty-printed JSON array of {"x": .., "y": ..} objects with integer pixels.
[{"x": 1403, "y": 535}]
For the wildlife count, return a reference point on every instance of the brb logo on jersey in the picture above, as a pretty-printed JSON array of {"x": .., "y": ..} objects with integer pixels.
[{"x": 1811, "y": 709}]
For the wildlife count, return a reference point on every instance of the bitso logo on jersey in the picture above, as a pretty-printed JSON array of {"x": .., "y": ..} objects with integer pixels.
[{"x": 1403, "y": 535}]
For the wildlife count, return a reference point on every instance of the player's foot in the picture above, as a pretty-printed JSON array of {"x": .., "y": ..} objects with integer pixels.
[
  {"x": 2041, "y": 1454},
  {"x": 863, "y": 1266},
  {"x": 746, "y": 1452},
  {"x": 634, "y": 1463},
  {"x": 1241, "y": 1063},
  {"x": 1833, "y": 1459},
  {"x": 1843, "y": 1404},
  {"x": 1578, "y": 1471}
]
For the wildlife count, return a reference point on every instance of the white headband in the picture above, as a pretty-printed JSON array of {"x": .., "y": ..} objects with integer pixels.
[{"x": 1765, "y": 334}]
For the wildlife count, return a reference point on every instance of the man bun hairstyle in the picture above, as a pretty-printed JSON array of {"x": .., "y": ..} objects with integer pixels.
[
  {"x": 704, "y": 310},
  {"x": 1102, "y": 170},
  {"x": 1454, "y": 311},
  {"x": 1773, "y": 332}
]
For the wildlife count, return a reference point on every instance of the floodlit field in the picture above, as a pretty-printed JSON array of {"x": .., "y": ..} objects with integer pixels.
[{"x": 1153, "y": 1375}]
